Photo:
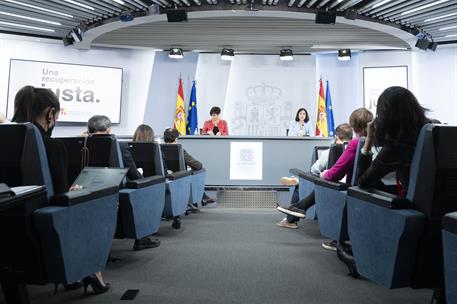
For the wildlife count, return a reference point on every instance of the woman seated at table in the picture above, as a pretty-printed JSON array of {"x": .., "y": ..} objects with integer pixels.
[
  {"x": 216, "y": 125},
  {"x": 301, "y": 126}
]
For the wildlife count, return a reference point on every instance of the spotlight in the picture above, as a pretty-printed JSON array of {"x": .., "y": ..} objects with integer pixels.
[
  {"x": 227, "y": 54},
  {"x": 344, "y": 54},
  {"x": 175, "y": 53},
  {"x": 67, "y": 41},
  {"x": 286, "y": 55},
  {"x": 432, "y": 46},
  {"x": 177, "y": 16},
  {"x": 423, "y": 43},
  {"x": 76, "y": 35}
]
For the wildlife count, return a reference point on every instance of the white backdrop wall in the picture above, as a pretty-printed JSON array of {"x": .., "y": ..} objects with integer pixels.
[
  {"x": 163, "y": 89},
  {"x": 264, "y": 93},
  {"x": 435, "y": 82},
  {"x": 136, "y": 64},
  {"x": 212, "y": 77}
]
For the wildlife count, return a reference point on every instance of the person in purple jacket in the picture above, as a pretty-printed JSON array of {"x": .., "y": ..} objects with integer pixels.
[{"x": 358, "y": 120}]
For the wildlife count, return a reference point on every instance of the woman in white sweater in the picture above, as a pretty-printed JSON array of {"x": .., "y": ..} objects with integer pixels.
[{"x": 301, "y": 126}]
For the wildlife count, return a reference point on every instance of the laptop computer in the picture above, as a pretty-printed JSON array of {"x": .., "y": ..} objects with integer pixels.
[{"x": 94, "y": 178}]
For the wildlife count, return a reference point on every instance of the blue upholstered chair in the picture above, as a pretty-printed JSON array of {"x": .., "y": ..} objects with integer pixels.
[
  {"x": 141, "y": 201},
  {"x": 66, "y": 236},
  {"x": 331, "y": 203},
  {"x": 397, "y": 242},
  {"x": 175, "y": 157},
  {"x": 178, "y": 183},
  {"x": 450, "y": 256}
]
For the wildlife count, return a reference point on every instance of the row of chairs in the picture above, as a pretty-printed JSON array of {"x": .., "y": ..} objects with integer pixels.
[
  {"x": 64, "y": 238},
  {"x": 397, "y": 242}
]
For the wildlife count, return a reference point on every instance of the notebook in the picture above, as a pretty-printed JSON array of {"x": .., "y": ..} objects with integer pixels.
[{"x": 94, "y": 178}]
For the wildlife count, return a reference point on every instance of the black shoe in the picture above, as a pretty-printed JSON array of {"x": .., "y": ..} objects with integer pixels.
[
  {"x": 291, "y": 210},
  {"x": 330, "y": 245},
  {"x": 68, "y": 287},
  {"x": 145, "y": 243},
  {"x": 96, "y": 285},
  {"x": 192, "y": 208},
  {"x": 207, "y": 201},
  {"x": 347, "y": 259},
  {"x": 176, "y": 223}
]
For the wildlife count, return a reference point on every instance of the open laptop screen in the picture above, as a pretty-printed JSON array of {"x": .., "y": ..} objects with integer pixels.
[{"x": 92, "y": 178}]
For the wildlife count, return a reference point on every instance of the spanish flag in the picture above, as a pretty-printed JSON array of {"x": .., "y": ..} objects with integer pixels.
[
  {"x": 321, "y": 122},
  {"x": 180, "y": 114}
]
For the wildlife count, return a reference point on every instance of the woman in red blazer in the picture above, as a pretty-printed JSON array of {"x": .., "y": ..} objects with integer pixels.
[{"x": 216, "y": 125}]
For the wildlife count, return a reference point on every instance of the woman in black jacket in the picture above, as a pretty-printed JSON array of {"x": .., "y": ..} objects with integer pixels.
[
  {"x": 41, "y": 107},
  {"x": 399, "y": 119}
]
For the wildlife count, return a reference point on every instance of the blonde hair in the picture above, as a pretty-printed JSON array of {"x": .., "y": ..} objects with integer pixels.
[
  {"x": 143, "y": 133},
  {"x": 359, "y": 119}
]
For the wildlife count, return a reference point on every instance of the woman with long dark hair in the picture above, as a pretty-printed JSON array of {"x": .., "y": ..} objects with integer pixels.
[
  {"x": 41, "y": 107},
  {"x": 399, "y": 119}
]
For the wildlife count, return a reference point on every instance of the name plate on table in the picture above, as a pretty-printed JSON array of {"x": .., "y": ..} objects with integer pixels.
[{"x": 246, "y": 159}]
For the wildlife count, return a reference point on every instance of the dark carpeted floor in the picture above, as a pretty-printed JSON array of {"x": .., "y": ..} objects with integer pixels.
[{"x": 233, "y": 256}]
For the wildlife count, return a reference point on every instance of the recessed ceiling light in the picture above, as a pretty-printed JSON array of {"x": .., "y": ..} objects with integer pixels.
[
  {"x": 26, "y": 26},
  {"x": 344, "y": 55},
  {"x": 440, "y": 17},
  {"x": 29, "y": 18},
  {"x": 286, "y": 55},
  {"x": 380, "y": 3},
  {"x": 448, "y": 28},
  {"x": 227, "y": 54},
  {"x": 452, "y": 35},
  {"x": 119, "y": 1},
  {"x": 176, "y": 53},
  {"x": 80, "y": 4},
  {"x": 39, "y": 8}
]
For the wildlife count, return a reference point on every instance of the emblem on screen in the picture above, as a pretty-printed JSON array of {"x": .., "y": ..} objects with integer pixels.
[{"x": 246, "y": 155}]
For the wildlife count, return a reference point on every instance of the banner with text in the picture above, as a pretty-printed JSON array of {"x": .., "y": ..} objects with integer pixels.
[{"x": 83, "y": 90}]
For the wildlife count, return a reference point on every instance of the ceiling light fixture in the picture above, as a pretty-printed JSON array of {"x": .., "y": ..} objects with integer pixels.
[
  {"x": 27, "y": 26},
  {"x": 440, "y": 17},
  {"x": 80, "y": 4},
  {"x": 380, "y": 3},
  {"x": 448, "y": 28},
  {"x": 29, "y": 18},
  {"x": 452, "y": 35},
  {"x": 39, "y": 8},
  {"x": 344, "y": 55},
  {"x": 227, "y": 54},
  {"x": 176, "y": 53},
  {"x": 423, "y": 6},
  {"x": 119, "y": 1},
  {"x": 286, "y": 55}
]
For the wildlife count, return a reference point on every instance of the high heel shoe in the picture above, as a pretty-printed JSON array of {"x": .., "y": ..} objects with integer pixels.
[{"x": 96, "y": 285}]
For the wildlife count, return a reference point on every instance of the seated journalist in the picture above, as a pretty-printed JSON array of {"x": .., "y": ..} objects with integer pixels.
[
  {"x": 170, "y": 136},
  {"x": 100, "y": 125},
  {"x": 42, "y": 107}
]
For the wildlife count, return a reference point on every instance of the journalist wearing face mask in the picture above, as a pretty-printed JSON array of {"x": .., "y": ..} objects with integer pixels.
[{"x": 41, "y": 107}]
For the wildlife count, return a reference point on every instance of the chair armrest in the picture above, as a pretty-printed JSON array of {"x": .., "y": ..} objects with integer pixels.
[
  {"x": 80, "y": 196},
  {"x": 296, "y": 172},
  {"x": 332, "y": 185},
  {"x": 198, "y": 171},
  {"x": 144, "y": 182},
  {"x": 178, "y": 174},
  {"x": 450, "y": 222},
  {"x": 380, "y": 198}
]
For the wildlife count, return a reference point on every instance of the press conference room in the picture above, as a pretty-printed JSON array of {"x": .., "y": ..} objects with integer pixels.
[{"x": 231, "y": 151}]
